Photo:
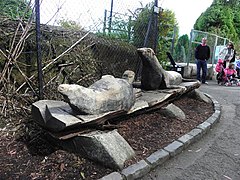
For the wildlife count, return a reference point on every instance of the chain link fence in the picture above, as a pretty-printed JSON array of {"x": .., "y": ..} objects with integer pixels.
[
  {"x": 112, "y": 35},
  {"x": 69, "y": 41},
  {"x": 78, "y": 42},
  {"x": 81, "y": 41},
  {"x": 96, "y": 16},
  {"x": 214, "y": 41}
]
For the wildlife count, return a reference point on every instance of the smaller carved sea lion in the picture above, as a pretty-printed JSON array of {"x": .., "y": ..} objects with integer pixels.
[{"x": 129, "y": 76}]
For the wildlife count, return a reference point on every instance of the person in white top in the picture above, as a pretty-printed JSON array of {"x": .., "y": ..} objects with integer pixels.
[{"x": 227, "y": 54}]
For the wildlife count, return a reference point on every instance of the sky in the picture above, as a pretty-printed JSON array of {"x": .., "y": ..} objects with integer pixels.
[
  {"x": 89, "y": 13},
  {"x": 186, "y": 12}
]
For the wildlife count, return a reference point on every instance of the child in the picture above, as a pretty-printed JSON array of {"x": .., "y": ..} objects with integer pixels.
[
  {"x": 220, "y": 71},
  {"x": 230, "y": 74},
  {"x": 230, "y": 71},
  {"x": 219, "y": 66}
]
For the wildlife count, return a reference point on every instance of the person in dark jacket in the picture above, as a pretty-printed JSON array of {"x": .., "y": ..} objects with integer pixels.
[{"x": 202, "y": 54}]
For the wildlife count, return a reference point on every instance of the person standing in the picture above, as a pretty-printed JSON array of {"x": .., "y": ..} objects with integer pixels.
[
  {"x": 227, "y": 54},
  {"x": 202, "y": 54},
  {"x": 237, "y": 65}
]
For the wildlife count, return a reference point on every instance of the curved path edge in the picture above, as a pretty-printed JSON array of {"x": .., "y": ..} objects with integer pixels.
[{"x": 162, "y": 155}]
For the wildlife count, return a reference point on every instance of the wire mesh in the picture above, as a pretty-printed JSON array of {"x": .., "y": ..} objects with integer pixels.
[
  {"x": 214, "y": 41},
  {"x": 112, "y": 17},
  {"x": 113, "y": 34},
  {"x": 80, "y": 42}
]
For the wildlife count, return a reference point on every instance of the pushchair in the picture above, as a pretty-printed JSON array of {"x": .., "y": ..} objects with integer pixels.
[
  {"x": 231, "y": 80},
  {"x": 230, "y": 76},
  {"x": 226, "y": 76}
]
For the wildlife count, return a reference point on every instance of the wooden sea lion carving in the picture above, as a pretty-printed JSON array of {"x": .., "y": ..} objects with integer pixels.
[
  {"x": 153, "y": 75},
  {"x": 106, "y": 94}
]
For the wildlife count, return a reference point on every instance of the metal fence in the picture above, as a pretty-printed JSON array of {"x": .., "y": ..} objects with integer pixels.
[
  {"x": 111, "y": 20},
  {"x": 112, "y": 17},
  {"x": 79, "y": 41},
  {"x": 215, "y": 43},
  {"x": 72, "y": 41}
]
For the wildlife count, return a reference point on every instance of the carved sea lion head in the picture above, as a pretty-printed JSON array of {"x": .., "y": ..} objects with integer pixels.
[
  {"x": 129, "y": 76},
  {"x": 148, "y": 56},
  {"x": 70, "y": 91},
  {"x": 65, "y": 88}
]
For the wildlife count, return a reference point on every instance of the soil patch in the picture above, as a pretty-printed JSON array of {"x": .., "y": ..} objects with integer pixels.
[{"x": 27, "y": 152}]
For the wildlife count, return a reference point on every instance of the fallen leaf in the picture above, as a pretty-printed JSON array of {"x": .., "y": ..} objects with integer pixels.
[
  {"x": 13, "y": 152},
  {"x": 227, "y": 177},
  {"x": 82, "y": 174},
  {"x": 62, "y": 166},
  {"x": 198, "y": 150}
]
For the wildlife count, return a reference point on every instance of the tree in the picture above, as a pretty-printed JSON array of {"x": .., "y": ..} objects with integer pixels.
[
  {"x": 69, "y": 24},
  {"x": 15, "y": 9},
  {"x": 168, "y": 33},
  {"x": 222, "y": 18},
  {"x": 140, "y": 25},
  {"x": 181, "y": 49},
  {"x": 166, "y": 25},
  {"x": 120, "y": 28}
]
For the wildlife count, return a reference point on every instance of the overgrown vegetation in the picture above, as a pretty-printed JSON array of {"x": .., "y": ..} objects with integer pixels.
[{"x": 16, "y": 9}]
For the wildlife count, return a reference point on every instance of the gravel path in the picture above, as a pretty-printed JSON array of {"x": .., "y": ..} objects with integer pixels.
[{"x": 217, "y": 154}]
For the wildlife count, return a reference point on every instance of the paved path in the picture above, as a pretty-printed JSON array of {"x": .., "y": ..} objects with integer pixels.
[{"x": 217, "y": 155}]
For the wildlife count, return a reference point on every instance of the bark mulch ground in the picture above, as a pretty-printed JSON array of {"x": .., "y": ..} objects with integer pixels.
[{"x": 26, "y": 151}]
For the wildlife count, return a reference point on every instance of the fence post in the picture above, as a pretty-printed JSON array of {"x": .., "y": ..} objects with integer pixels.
[
  {"x": 104, "y": 21},
  {"x": 110, "y": 18},
  {"x": 189, "y": 48},
  {"x": 39, "y": 55},
  {"x": 148, "y": 32},
  {"x": 214, "y": 49},
  {"x": 129, "y": 27},
  {"x": 156, "y": 11},
  {"x": 173, "y": 39}
]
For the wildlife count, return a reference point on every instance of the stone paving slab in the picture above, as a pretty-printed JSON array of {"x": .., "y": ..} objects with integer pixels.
[
  {"x": 174, "y": 148},
  {"x": 186, "y": 139},
  {"x": 205, "y": 126},
  {"x": 136, "y": 170},
  {"x": 196, "y": 133},
  {"x": 158, "y": 157},
  {"x": 113, "y": 176}
]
